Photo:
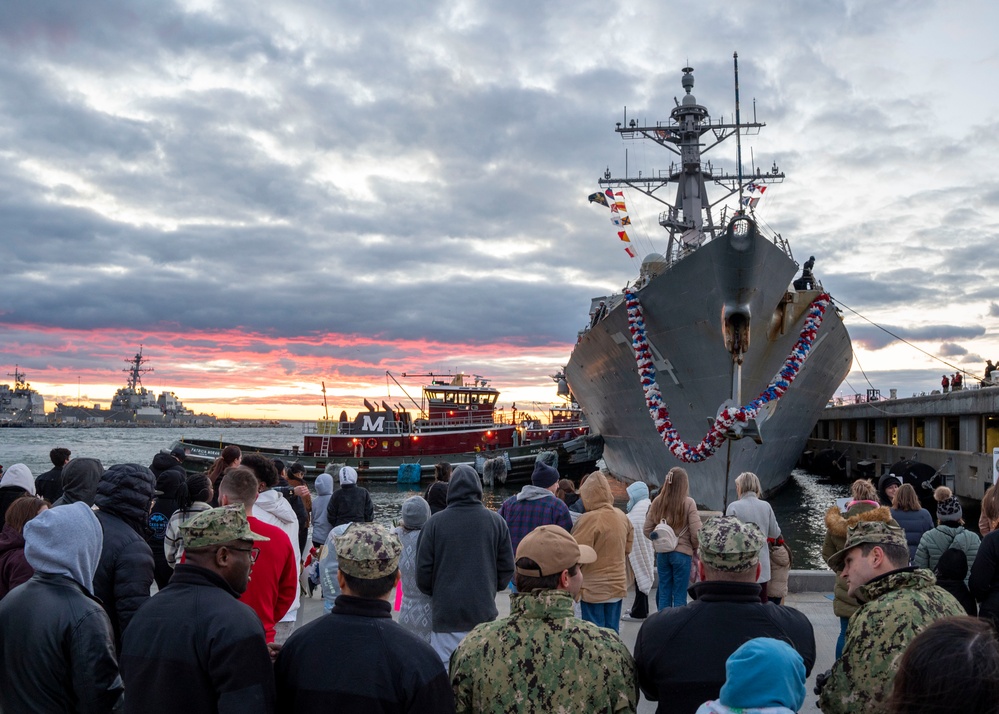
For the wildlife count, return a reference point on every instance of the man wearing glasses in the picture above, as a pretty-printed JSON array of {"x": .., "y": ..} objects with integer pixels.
[{"x": 193, "y": 647}]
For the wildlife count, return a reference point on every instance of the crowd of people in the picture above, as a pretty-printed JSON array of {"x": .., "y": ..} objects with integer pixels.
[{"x": 149, "y": 589}]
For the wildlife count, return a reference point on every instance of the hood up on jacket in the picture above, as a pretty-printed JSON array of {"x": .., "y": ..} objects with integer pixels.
[
  {"x": 125, "y": 491},
  {"x": 596, "y": 492},
  {"x": 79, "y": 481},
  {"x": 65, "y": 541},
  {"x": 764, "y": 672},
  {"x": 19, "y": 475},
  {"x": 464, "y": 486},
  {"x": 638, "y": 491},
  {"x": 324, "y": 485}
]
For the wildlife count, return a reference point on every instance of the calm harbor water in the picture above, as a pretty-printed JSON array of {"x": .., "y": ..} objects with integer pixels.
[{"x": 799, "y": 508}]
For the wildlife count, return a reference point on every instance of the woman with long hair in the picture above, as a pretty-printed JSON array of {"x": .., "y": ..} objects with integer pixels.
[
  {"x": 230, "y": 457},
  {"x": 908, "y": 513},
  {"x": 675, "y": 506},
  {"x": 751, "y": 508},
  {"x": 989, "y": 520},
  {"x": 195, "y": 497},
  {"x": 14, "y": 567}
]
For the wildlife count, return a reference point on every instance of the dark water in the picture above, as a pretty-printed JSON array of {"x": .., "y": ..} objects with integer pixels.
[{"x": 799, "y": 508}]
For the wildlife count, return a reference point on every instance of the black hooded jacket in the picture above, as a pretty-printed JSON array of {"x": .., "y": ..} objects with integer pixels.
[
  {"x": 79, "y": 481},
  {"x": 125, "y": 572}
]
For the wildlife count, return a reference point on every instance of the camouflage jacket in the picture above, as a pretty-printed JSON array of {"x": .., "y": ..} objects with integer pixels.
[
  {"x": 543, "y": 659},
  {"x": 896, "y": 607}
]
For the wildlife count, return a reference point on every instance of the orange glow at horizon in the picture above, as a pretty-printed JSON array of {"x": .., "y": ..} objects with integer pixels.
[{"x": 256, "y": 376}]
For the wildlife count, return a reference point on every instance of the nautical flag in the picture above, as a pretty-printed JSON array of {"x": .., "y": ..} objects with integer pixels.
[
  {"x": 629, "y": 251},
  {"x": 609, "y": 194},
  {"x": 751, "y": 202},
  {"x": 619, "y": 193},
  {"x": 754, "y": 187},
  {"x": 620, "y": 205},
  {"x": 615, "y": 219},
  {"x": 598, "y": 198},
  {"x": 623, "y": 235},
  {"x": 613, "y": 208},
  {"x": 626, "y": 221}
]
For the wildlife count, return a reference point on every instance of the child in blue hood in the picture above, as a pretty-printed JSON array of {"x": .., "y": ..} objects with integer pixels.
[{"x": 764, "y": 676}]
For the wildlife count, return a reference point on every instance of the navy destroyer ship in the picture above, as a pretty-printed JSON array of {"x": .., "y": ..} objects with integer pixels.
[{"x": 715, "y": 359}]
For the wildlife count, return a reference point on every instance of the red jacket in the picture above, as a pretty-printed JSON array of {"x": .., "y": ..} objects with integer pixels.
[{"x": 274, "y": 577}]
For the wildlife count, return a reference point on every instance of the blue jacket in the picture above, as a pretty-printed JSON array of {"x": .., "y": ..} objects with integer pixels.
[{"x": 915, "y": 523}]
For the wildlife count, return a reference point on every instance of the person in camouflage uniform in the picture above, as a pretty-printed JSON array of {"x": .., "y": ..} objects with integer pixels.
[
  {"x": 541, "y": 658},
  {"x": 897, "y": 602}
]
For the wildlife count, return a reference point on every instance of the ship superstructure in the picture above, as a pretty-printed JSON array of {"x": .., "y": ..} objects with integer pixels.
[{"x": 711, "y": 340}]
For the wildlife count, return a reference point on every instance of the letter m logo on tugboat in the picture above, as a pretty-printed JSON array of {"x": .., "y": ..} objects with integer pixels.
[{"x": 373, "y": 425}]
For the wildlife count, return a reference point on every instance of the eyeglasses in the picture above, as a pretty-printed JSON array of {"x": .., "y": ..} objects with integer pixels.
[{"x": 254, "y": 552}]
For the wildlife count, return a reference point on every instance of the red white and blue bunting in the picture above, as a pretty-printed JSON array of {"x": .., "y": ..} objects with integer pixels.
[{"x": 729, "y": 417}]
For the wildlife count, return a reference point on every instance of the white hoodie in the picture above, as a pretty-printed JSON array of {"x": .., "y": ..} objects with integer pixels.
[{"x": 271, "y": 507}]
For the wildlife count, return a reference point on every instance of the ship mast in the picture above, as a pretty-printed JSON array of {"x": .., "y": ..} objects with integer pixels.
[
  {"x": 689, "y": 133},
  {"x": 135, "y": 369}
]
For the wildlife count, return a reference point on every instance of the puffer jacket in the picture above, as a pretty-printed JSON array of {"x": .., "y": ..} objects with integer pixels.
[
  {"x": 914, "y": 523},
  {"x": 125, "y": 571},
  {"x": 934, "y": 542},
  {"x": 351, "y": 504},
  {"x": 780, "y": 568},
  {"x": 836, "y": 527},
  {"x": 609, "y": 532}
]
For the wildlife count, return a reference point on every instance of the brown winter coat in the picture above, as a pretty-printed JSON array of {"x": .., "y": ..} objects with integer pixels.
[
  {"x": 780, "y": 568},
  {"x": 836, "y": 527},
  {"x": 608, "y": 531}
]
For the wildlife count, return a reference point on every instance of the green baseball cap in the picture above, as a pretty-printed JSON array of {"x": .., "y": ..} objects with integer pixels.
[
  {"x": 729, "y": 545},
  {"x": 216, "y": 526},
  {"x": 874, "y": 532},
  {"x": 368, "y": 551}
]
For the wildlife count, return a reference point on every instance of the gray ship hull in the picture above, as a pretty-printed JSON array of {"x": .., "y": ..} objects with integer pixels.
[{"x": 682, "y": 310}]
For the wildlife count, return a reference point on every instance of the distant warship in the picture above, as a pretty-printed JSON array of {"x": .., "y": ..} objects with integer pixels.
[
  {"x": 712, "y": 340},
  {"x": 21, "y": 405}
]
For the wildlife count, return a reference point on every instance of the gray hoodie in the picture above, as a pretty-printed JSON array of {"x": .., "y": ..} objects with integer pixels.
[
  {"x": 320, "y": 523},
  {"x": 65, "y": 541},
  {"x": 79, "y": 481},
  {"x": 463, "y": 557}
]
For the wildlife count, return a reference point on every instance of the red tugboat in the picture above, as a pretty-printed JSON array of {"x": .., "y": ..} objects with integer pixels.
[{"x": 458, "y": 422}]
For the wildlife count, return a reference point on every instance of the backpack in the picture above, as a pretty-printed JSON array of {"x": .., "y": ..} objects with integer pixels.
[{"x": 664, "y": 538}]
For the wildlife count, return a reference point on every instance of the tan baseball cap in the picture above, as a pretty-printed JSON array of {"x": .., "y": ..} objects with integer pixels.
[{"x": 554, "y": 550}]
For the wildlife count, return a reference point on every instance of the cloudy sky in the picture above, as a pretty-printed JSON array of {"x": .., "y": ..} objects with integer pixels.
[{"x": 267, "y": 196}]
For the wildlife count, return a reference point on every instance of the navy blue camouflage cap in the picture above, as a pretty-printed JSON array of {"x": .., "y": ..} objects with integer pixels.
[
  {"x": 873, "y": 532},
  {"x": 729, "y": 545},
  {"x": 368, "y": 551},
  {"x": 217, "y": 526}
]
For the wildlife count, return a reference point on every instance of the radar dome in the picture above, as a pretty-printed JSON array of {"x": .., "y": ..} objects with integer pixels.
[{"x": 654, "y": 264}]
